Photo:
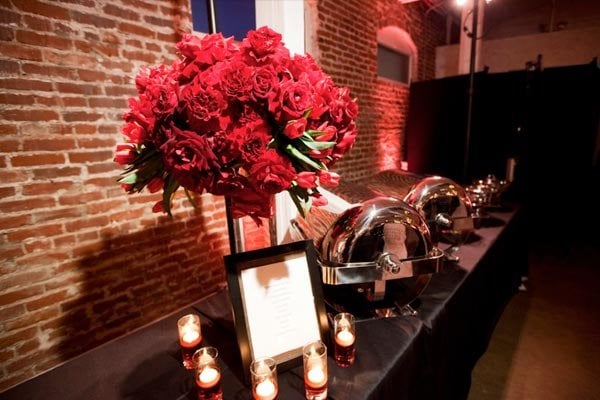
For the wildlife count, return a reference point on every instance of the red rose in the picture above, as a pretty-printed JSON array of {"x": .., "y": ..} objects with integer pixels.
[
  {"x": 291, "y": 101},
  {"x": 189, "y": 157},
  {"x": 264, "y": 82},
  {"x": 235, "y": 81},
  {"x": 295, "y": 128},
  {"x": 203, "y": 106},
  {"x": 329, "y": 178},
  {"x": 125, "y": 153},
  {"x": 255, "y": 143},
  {"x": 251, "y": 202},
  {"x": 155, "y": 184},
  {"x": 307, "y": 180},
  {"x": 272, "y": 173},
  {"x": 264, "y": 46}
]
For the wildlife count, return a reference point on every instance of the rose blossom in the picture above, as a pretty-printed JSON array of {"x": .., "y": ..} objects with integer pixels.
[
  {"x": 272, "y": 172},
  {"x": 189, "y": 157},
  {"x": 295, "y": 128},
  {"x": 264, "y": 46},
  {"x": 328, "y": 178},
  {"x": 125, "y": 153},
  {"x": 307, "y": 180},
  {"x": 203, "y": 106},
  {"x": 291, "y": 101}
]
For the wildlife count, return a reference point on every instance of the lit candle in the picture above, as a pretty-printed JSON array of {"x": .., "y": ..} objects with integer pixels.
[
  {"x": 189, "y": 336},
  {"x": 316, "y": 376},
  {"x": 344, "y": 338},
  {"x": 208, "y": 377},
  {"x": 265, "y": 390}
]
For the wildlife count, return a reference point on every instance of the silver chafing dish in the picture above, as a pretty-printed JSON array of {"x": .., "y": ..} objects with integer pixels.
[
  {"x": 376, "y": 256},
  {"x": 443, "y": 203}
]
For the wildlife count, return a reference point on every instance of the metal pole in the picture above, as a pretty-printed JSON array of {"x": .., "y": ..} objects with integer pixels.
[
  {"x": 212, "y": 17},
  {"x": 471, "y": 88}
]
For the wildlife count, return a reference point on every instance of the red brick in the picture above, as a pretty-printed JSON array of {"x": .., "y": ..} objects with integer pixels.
[
  {"x": 31, "y": 318},
  {"x": 103, "y": 168},
  {"x": 86, "y": 129},
  {"x": 47, "y": 300},
  {"x": 14, "y": 296},
  {"x": 56, "y": 172},
  {"x": 37, "y": 231},
  {"x": 75, "y": 116},
  {"x": 81, "y": 198},
  {"x": 6, "y": 191},
  {"x": 49, "y": 71},
  {"x": 37, "y": 24},
  {"x": 94, "y": 20},
  {"x": 15, "y": 50},
  {"x": 139, "y": 4},
  {"x": 53, "y": 214},
  {"x": 39, "y": 8},
  {"x": 25, "y": 84},
  {"x": 48, "y": 144},
  {"x": 91, "y": 76},
  {"x": 34, "y": 38},
  {"x": 90, "y": 222},
  {"x": 165, "y": 22},
  {"x": 37, "y": 159},
  {"x": 8, "y": 129},
  {"x": 120, "y": 12},
  {"x": 86, "y": 89},
  {"x": 90, "y": 156},
  {"x": 29, "y": 204},
  {"x": 8, "y": 252},
  {"x": 9, "y": 146},
  {"x": 34, "y": 189},
  {"x": 136, "y": 30},
  {"x": 29, "y": 115},
  {"x": 107, "y": 102},
  {"x": 10, "y": 338}
]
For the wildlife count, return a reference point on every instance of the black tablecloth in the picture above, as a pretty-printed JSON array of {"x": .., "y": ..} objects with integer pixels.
[{"x": 427, "y": 356}]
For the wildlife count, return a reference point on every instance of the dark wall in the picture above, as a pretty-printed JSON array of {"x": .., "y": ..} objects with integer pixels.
[{"x": 548, "y": 119}]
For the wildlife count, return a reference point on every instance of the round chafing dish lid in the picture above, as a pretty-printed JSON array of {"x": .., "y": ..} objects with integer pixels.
[{"x": 377, "y": 226}]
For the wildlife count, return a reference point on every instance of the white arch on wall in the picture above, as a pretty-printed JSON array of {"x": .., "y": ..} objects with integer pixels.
[{"x": 399, "y": 40}]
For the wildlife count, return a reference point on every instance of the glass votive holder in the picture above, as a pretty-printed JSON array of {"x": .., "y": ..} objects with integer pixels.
[
  {"x": 207, "y": 374},
  {"x": 344, "y": 338},
  {"x": 314, "y": 358},
  {"x": 190, "y": 337},
  {"x": 263, "y": 375}
]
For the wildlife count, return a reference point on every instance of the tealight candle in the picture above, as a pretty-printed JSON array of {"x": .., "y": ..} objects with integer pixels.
[
  {"x": 208, "y": 377},
  {"x": 344, "y": 351},
  {"x": 208, "y": 374},
  {"x": 264, "y": 379},
  {"x": 190, "y": 336},
  {"x": 265, "y": 390},
  {"x": 315, "y": 377},
  {"x": 344, "y": 338},
  {"x": 314, "y": 356}
]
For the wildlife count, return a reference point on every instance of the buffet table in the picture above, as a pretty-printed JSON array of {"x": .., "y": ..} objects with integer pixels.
[{"x": 427, "y": 356}]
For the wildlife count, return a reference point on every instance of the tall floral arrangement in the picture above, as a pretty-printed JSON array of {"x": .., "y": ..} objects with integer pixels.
[{"x": 244, "y": 120}]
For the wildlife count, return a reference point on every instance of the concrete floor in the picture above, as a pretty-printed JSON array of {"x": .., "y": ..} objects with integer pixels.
[{"x": 546, "y": 345}]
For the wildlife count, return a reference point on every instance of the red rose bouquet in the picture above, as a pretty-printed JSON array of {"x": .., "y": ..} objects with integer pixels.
[{"x": 239, "y": 120}]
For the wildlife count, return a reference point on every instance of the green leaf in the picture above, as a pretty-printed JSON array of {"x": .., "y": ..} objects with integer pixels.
[
  {"x": 129, "y": 179},
  {"x": 314, "y": 145},
  {"x": 294, "y": 152},
  {"x": 297, "y": 203},
  {"x": 171, "y": 186},
  {"x": 190, "y": 199}
]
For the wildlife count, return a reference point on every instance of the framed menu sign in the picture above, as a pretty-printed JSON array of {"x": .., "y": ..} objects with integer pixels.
[{"x": 277, "y": 301}]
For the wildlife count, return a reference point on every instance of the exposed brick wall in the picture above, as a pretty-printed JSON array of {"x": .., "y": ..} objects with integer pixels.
[
  {"x": 346, "y": 48},
  {"x": 81, "y": 262}
]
